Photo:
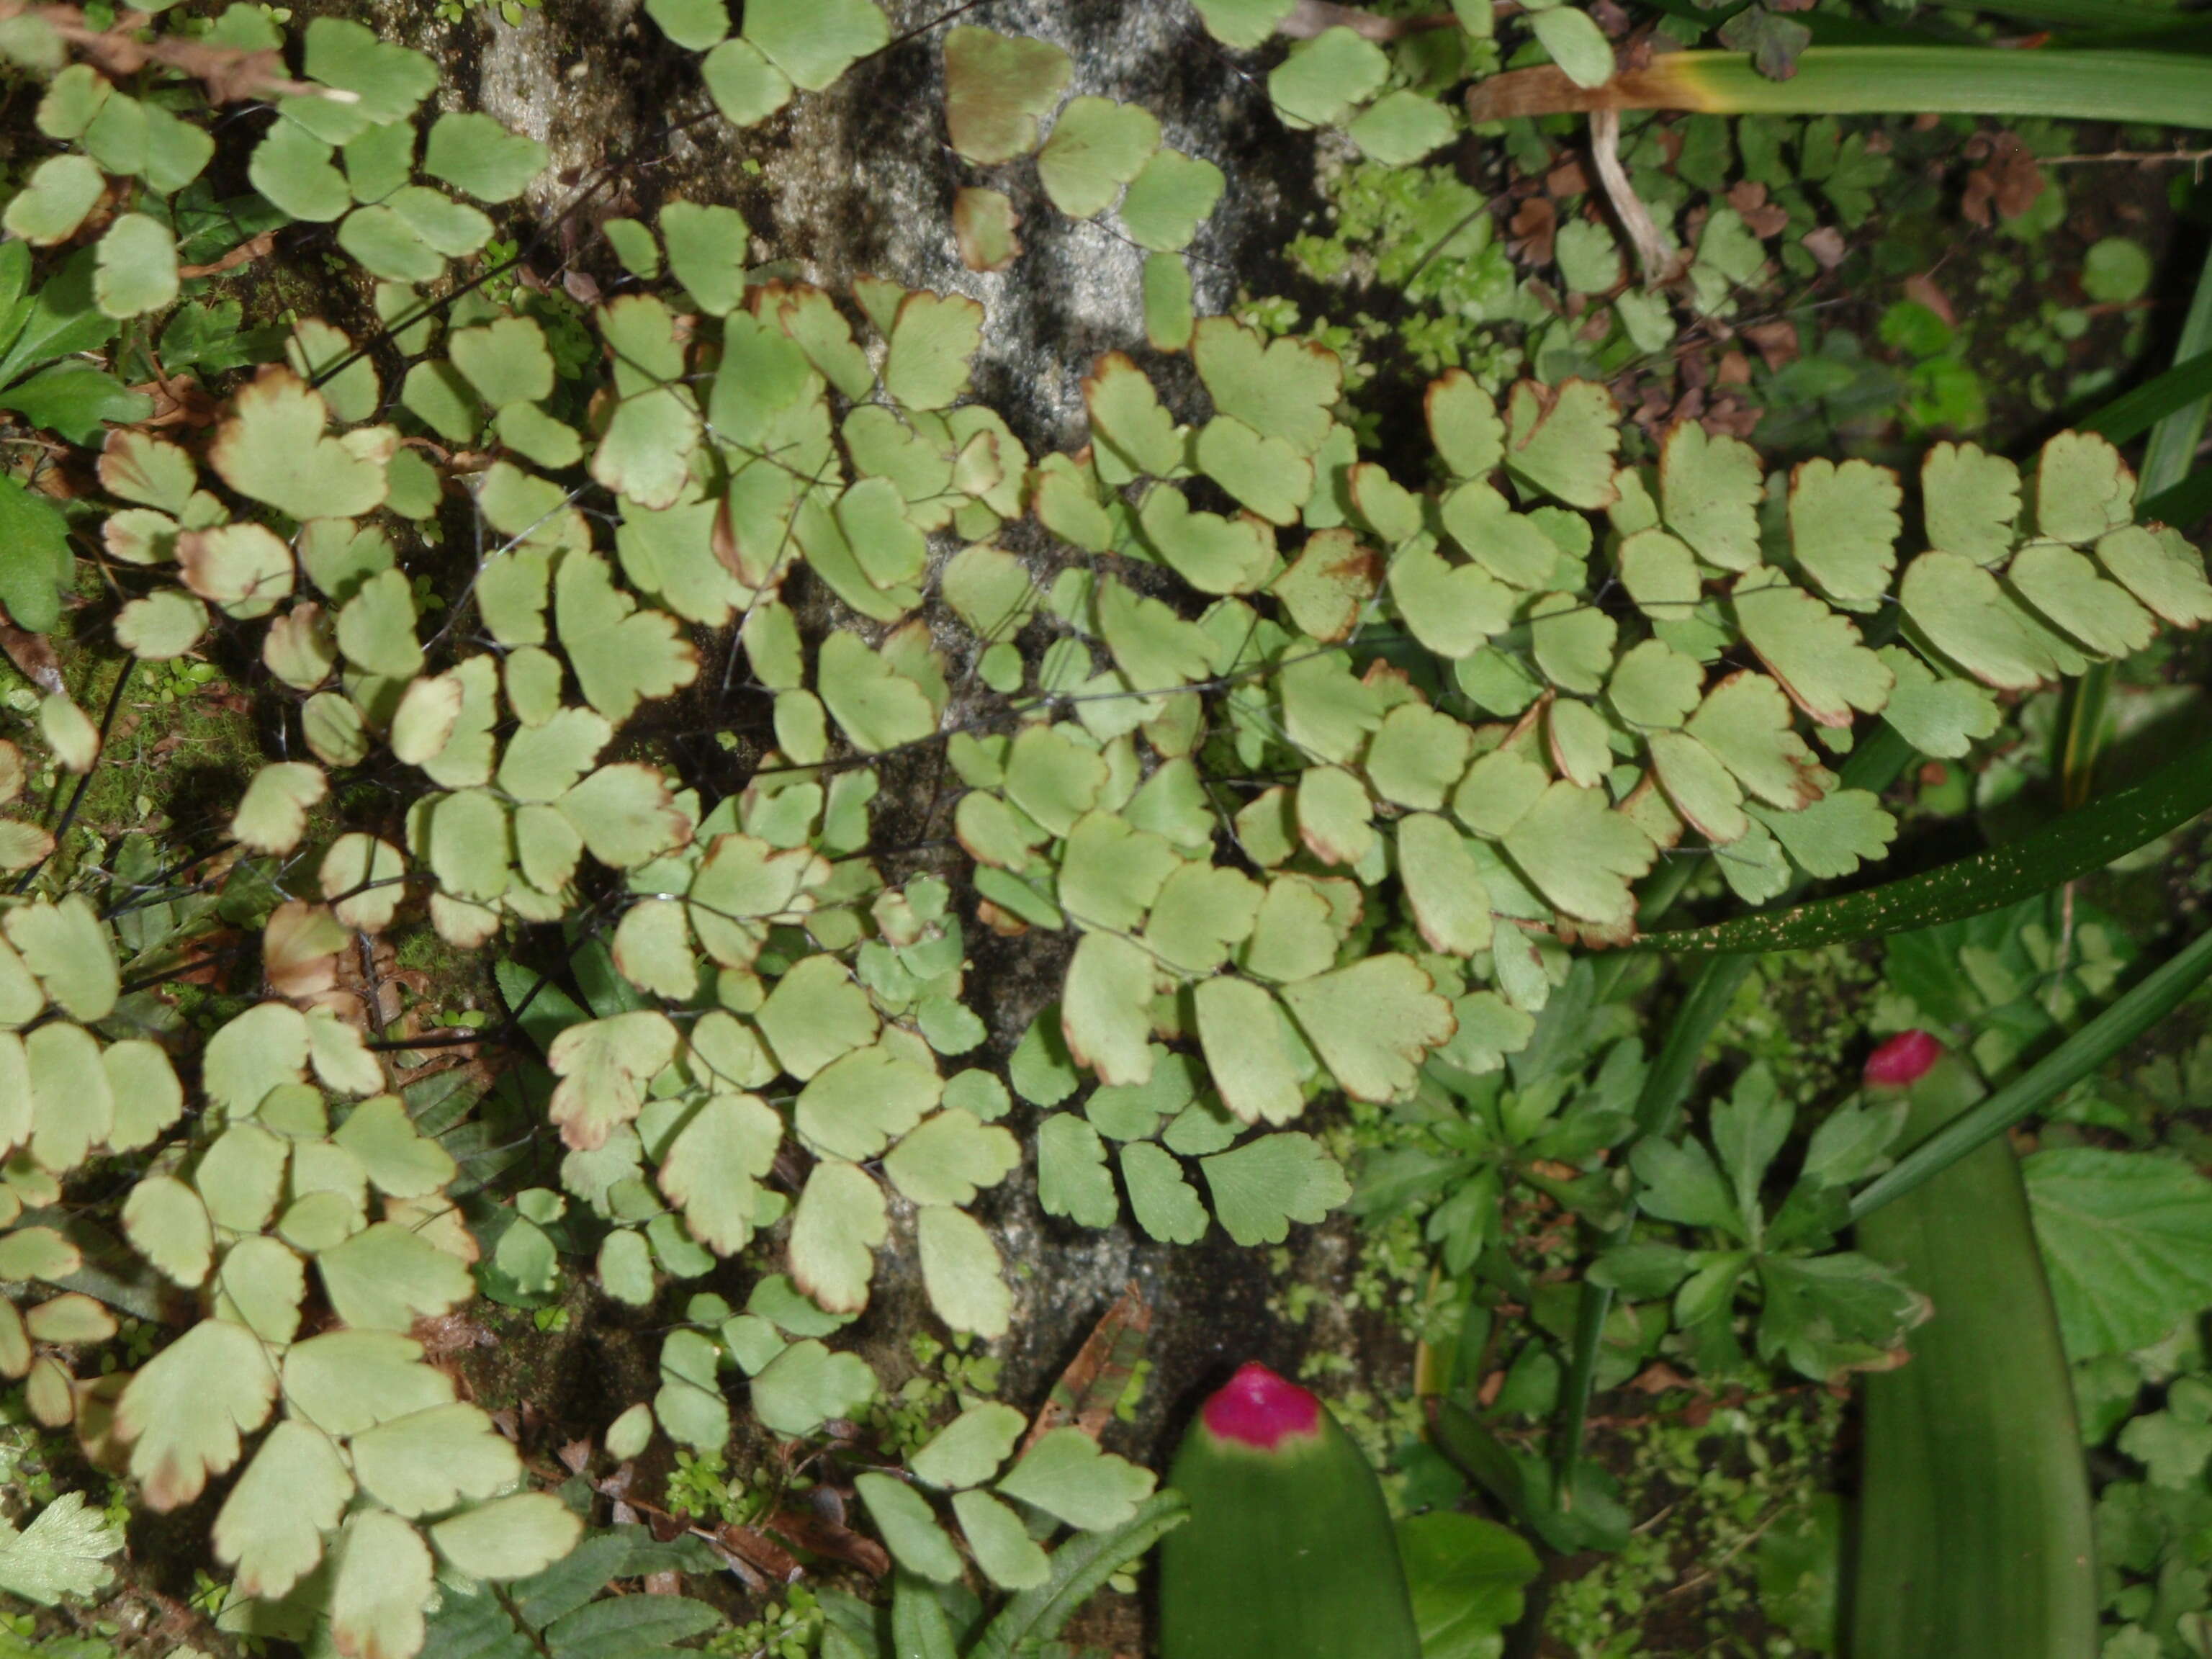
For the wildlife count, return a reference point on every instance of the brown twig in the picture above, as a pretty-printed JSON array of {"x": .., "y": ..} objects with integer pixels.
[
  {"x": 1652, "y": 254},
  {"x": 1311, "y": 17},
  {"x": 230, "y": 74},
  {"x": 2195, "y": 158},
  {"x": 244, "y": 254}
]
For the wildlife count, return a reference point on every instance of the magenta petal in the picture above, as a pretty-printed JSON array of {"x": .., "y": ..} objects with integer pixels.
[
  {"x": 1904, "y": 1058},
  {"x": 1258, "y": 1408}
]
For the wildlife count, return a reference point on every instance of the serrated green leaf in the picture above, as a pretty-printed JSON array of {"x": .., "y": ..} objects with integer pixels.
[
  {"x": 1581, "y": 854},
  {"x": 1065, "y": 1473},
  {"x": 63, "y": 1552},
  {"x": 273, "y": 448},
  {"x": 604, "y": 1066},
  {"x": 621, "y": 655},
  {"x": 292, "y": 168},
  {"x": 1814, "y": 654},
  {"x": 2082, "y": 488},
  {"x": 714, "y": 1163},
  {"x": 429, "y": 1460},
  {"x": 2066, "y": 588},
  {"x": 184, "y": 1411},
  {"x": 1372, "y": 1023},
  {"x": 1843, "y": 526},
  {"x": 1562, "y": 440},
  {"x": 1970, "y": 501},
  {"x": 932, "y": 340},
  {"x": 387, "y": 1276},
  {"x": 166, "y": 1224},
  {"x": 950, "y": 1157},
  {"x": 270, "y": 1527},
  {"x": 1963, "y": 612},
  {"x": 968, "y": 1451},
  {"x": 1072, "y": 1175},
  {"x": 65, "y": 944},
  {"x": 384, "y": 1580},
  {"x": 1165, "y": 1204}
]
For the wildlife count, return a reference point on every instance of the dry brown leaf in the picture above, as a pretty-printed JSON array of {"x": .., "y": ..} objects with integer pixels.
[
  {"x": 1096, "y": 1379},
  {"x": 32, "y": 653}
]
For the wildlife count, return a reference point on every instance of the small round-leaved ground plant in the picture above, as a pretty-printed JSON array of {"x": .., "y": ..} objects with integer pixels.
[{"x": 1323, "y": 762}]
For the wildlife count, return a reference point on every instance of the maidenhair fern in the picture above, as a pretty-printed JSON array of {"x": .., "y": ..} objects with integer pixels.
[{"x": 1321, "y": 764}]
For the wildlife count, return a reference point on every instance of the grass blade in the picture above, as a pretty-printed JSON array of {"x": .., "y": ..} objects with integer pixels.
[
  {"x": 2068, "y": 847},
  {"x": 2080, "y": 1055},
  {"x": 2181, "y": 389},
  {"x": 2163, "y": 88},
  {"x": 2185, "y": 503}
]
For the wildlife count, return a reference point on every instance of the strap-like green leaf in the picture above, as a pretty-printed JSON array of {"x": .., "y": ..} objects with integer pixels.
[{"x": 2137, "y": 411}]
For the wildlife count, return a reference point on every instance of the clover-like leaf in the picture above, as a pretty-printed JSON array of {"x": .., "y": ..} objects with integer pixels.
[
  {"x": 474, "y": 153},
  {"x": 1169, "y": 199},
  {"x": 383, "y": 1582},
  {"x": 270, "y": 1527},
  {"x": 995, "y": 88},
  {"x": 603, "y": 1066},
  {"x": 815, "y": 41},
  {"x": 273, "y": 448},
  {"x": 714, "y": 1164},
  {"x": 514, "y": 1537},
  {"x": 1323, "y": 78},
  {"x": 834, "y": 1231},
  {"x": 1097, "y": 147},
  {"x": 1260, "y": 1187},
  {"x": 1372, "y": 1023},
  {"x": 184, "y": 1411},
  {"x": 963, "y": 1273},
  {"x": 1562, "y": 440},
  {"x": 1282, "y": 389},
  {"x": 621, "y": 655},
  {"x": 1581, "y": 854},
  {"x": 387, "y": 1276},
  {"x": 427, "y": 1461}
]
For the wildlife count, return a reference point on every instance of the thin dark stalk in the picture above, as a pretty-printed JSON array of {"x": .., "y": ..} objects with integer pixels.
[{"x": 77, "y": 796}]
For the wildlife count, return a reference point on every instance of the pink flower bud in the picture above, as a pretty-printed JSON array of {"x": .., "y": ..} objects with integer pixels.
[
  {"x": 1902, "y": 1060},
  {"x": 1258, "y": 1408}
]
